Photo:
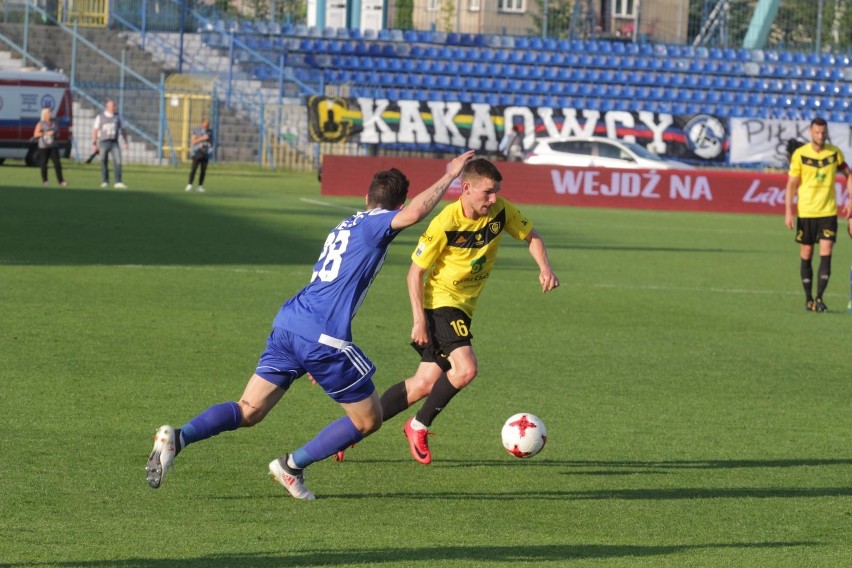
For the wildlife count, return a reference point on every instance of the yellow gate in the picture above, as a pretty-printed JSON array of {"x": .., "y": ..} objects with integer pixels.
[
  {"x": 91, "y": 13},
  {"x": 189, "y": 100}
]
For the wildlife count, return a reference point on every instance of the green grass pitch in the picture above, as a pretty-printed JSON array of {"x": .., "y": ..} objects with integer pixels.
[{"x": 697, "y": 415}]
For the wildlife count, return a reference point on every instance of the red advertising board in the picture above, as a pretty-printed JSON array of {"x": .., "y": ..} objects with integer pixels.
[{"x": 683, "y": 190}]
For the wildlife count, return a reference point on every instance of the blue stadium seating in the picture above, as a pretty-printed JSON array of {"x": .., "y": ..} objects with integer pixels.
[{"x": 551, "y": 71}]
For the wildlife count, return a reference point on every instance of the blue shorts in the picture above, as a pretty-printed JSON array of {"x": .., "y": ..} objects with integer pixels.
[{"x": 345, "y": 374}]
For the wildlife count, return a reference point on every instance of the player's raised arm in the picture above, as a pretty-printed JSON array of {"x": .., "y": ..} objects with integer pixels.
[
  {"x": 424, "y": 202},
  {"x": 546, "y": 277}
]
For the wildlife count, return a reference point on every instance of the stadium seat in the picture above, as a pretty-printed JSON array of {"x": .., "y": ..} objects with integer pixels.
[
  {"x": 756, "y": 99},
  {"x": 537, "y": 100},
  {"x": 446, "y": 52},
  {"x": 435, "y": 66},
  {"x": 479, "y": 40},
  {"x": 534, "y": 57},
  {"x": 659, "y": 93},
  {"x": 443, "y": 82},
  {"x": 729, "y": 97},
  {"x": 675, "y": 79},
  {"x": 492, "y": 99},
  {"x": 549, "y": 101},
  {"x": 412, "y": 94},
  {"x": 707, "y": 82},
  {"x": 680, "y": 107},
  {"x": 534, "y": 71},
  {"x": 486, "y": 54},
  {"x": 530, "y": 87},
  {"x": 552, "y": 73}
]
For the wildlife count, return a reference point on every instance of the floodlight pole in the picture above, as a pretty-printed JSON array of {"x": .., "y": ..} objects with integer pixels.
[
  {"x": 819, "y": 26},
  {"x": 182, "y": 22}
]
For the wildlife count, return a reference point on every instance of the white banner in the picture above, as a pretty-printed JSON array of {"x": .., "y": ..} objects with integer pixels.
[{"x": 764, "y": 141}]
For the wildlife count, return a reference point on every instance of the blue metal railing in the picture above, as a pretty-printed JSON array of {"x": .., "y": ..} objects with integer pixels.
[{"x": 84, "y": 94}]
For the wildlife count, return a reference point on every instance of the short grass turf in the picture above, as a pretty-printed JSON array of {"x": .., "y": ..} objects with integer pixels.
[{"x": 697, "y": 415}]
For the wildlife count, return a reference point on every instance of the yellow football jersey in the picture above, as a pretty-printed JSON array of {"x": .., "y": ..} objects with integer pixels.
[
  {"x": 461, "y": 252},
  {"x": 817, "y": 170}
]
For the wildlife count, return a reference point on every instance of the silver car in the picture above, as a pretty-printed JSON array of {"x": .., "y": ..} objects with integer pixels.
[{"x": 598, "y": 152}]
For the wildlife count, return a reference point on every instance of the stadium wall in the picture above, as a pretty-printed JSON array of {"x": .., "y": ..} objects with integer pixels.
[{"x": 686, "y": 190}]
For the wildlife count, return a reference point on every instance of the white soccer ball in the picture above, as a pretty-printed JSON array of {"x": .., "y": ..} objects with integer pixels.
[{"x": 524, "y": 435}]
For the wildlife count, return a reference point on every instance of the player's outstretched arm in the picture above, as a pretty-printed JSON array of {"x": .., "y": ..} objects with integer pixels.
[
  {"x": 546, "y": 277},
  {"x": 424, "y": 202}
]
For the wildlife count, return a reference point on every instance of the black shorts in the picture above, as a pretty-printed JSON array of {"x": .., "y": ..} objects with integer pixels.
[
  {"x": 448, "y": 329},
  {"x": 813, "y": 229}
]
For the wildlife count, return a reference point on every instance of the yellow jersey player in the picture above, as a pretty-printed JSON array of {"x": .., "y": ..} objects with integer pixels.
[
  {"x": 450, "y": 266},
  {"x": 813, "y": 169}
]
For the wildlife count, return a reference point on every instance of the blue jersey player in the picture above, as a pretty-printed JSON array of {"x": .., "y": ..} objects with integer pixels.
[{"x": 312, "y": 333}]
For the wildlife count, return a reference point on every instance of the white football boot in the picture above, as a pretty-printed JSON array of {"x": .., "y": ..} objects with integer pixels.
[
  {"x": 162, "y": 456},
  {"x": 292, "y": 481}
]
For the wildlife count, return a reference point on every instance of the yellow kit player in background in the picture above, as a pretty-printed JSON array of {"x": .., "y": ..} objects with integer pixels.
[{"x": 813, "y": 168}]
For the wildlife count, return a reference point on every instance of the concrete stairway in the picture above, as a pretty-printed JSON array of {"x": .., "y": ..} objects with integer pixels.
[{"x": 202, "y": 59}]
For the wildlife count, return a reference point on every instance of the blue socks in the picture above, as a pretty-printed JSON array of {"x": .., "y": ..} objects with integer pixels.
[
  {"x": 337, "y": 436},
  {"x": 215, "y": 420},
  {"x": 227, "y": 416}
]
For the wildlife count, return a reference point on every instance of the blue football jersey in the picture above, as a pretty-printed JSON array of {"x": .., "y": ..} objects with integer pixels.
[{"x": 352, "y": 256}]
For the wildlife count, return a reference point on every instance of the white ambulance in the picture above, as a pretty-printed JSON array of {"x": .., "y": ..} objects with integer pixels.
[{"x": 23, "y": 93}]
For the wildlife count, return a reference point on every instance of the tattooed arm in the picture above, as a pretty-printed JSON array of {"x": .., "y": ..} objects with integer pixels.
[{"x": 424, "y": 202}]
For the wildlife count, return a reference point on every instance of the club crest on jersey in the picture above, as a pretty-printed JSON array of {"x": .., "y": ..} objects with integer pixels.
[{"x": 494, "y": 226}]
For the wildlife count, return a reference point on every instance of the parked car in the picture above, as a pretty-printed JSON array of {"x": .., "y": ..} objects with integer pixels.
[{"x": 598, "y": 152}]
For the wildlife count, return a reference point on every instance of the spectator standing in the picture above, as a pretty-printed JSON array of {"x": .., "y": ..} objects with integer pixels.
[
  {"x": 108, "y": 127},
  {"x": 512, "y": 145},
  {"x": 46, "y": 131},
  {"x": 202, "y": 144}
]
